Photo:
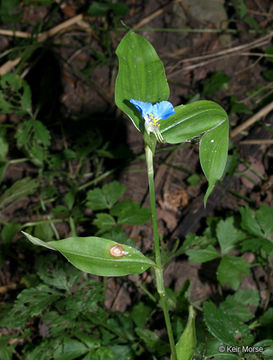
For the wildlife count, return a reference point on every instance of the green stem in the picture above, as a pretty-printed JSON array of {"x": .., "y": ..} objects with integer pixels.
[
  {"x": 96, "y": 180},
  {"x": 158, "y": 270},
  {"x": 53, "y": 227},
  {"x": 17, "y": 161},
  {"x": 144, "y": 289},
  {"x": 72, "y": 226}
]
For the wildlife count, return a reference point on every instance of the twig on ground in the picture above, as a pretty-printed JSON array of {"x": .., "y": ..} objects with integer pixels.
[
  {"x": 264, "y": 40},
  {"x": 5, "y": 68},
  {"x": 13, "y": 33},
  {"x": 257, "y": 142},
  {"x": 46, "y": 34},
  {"x": 63, "y": 26},
  {"x": 260, "y": 114},
  {"x": 151, "y": 17},
  {"x": 4, "y": 289}
]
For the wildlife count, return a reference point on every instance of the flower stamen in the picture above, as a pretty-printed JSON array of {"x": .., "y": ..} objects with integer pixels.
[
  {"x": 154, "y": 120},
  {"x": 152, "y": 114}
]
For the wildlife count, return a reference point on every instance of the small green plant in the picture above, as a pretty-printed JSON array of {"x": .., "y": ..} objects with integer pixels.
[
  {"x": 142, "y": 93},
  {"x": 233, "y": 323}
]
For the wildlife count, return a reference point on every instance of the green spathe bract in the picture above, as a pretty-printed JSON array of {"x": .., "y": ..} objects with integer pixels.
[
  {"x": 141, "y": 77},
  {"x": 209, "y": 119},
  {"x": 186, "y": 345},
  {"x": 192, "y": 120},
  {"x": 92, "y": 255}
]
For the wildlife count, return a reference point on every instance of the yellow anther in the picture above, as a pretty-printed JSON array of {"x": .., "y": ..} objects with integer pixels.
[{"x": 154, "y": 120}]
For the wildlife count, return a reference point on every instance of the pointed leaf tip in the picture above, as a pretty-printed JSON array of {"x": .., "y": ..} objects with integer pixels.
[
  {"x": 98, "y": 256},
  {"x": 141, "y": 76},
  {"x": 186, "y": 345},
  {"x": 37, "y": 241}
]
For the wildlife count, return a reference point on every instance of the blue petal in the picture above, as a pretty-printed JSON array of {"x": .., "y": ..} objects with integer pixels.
[
  {"x": 145, "y": 108},
  {"x": 162, "y": 110}
]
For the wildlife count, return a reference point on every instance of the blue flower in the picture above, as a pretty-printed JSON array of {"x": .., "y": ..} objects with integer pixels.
[{"x": 152, "y": 113}]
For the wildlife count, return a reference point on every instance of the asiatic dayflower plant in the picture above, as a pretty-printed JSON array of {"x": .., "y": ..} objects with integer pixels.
[
  {"x": 152, "y": 114},
  {"x": 141, "y": 75}
]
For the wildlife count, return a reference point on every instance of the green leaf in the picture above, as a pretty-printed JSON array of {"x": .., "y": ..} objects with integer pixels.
[
  {"x": 3, "y": 168},
  {"x": 6, "y": 349},
  {"x": 238, "y": 107},
  {"x": 122, "y": 352},
  {"x": 152, "y": 341},
  {"x": 191, "y": 120},
  {"x": 218, "y": 81},
  {"x": 203, "y": 255},
  {"x": 227, "y": 330},
  {"x": 37, "y": 241},
  {"x": 267, "y": 345},
  {"x": 194, "y": 179},
  {"x": 212, "y": 347},
  {"x": 17, "y": 191},
  {"x": 140, "y": 314},
  {"x": 6, "y": 107},
  {"x": 4, "y": 146},
  {"x": 7, "y": 13},
  {"x": 69, "y": 198},
  {"x": 268, "y": 75},
  {"x": 213, "y": 152},
  {"x": 57, "y": 273},
  {"x": 264, "y": 216},
  {"x": 105, "y": 198},
  {"x": 191, "y": 240},
  {"x": 130, "y": 213},
  {"x": 186, "y": 345},
  {"x": 231, "y": 270},
  {"x": 252, "y": 23},
  {"x": 141, "y": 76},
  {"x": 23, "y": 133},
  {"x": 267, "y": 317},
  {"x": 226, "y": 235},
  {"x": 112, "y": 192},
  {"x": 194, "y": 119},
  {"x": 240, "y": 7},
  {"x": 11, "y": 80},
  {"x": 100, "y": 9},
  {"x": 96, "y": 200},
  {"x": 37, "y": 154},
  {"x": 256, "y": 244},
  {"x": 269, "y": 51},
  {"x": 38, "y": 2},
  {"x": 9, "y": 231},
  {"x": 43, "y": 351},
  {"x": 44, "y": 231},
  {"x": 118, "y": 235},
  {"x": 60, "y": 210},
  {"x": 41, "y": 132},
  {"x": 237, "y": 305},
  {"x": 70, "y": 349},
  {"x": 26, "y": 99},
  {"x": 249, "y": 223},
  {"x": 104, "y": 221},
  {"x": 121, "y": 326},
  {"x": 232, "y": 163},
  {"x": 31, "y": 302},
  {"x": 92, "y": 255}
]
